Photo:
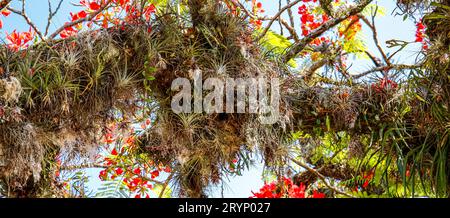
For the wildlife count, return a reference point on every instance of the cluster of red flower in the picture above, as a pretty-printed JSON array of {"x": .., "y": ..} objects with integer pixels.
[
  {"x": 311, "y": 21},
  {"x": 285, "y": 189},
  {"x": 104, "y": 18},
  {"x": 138, "y": 179},
  {"x": 18, "y": 41},
  {"x": 256, "y": 9},
  {"x": 420, "y": 35}
]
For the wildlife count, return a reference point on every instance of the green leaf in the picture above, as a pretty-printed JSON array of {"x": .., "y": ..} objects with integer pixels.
[
  {"x": 167, "y": 191},
  {"x": 277, "y": 44}
]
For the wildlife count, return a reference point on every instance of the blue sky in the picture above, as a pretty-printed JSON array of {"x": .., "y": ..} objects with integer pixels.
[{"x": 389, "y": 27}]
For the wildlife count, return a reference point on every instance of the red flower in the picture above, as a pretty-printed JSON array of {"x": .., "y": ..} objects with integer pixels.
[
  {"x": 79, "y": 15},
  {"x": 136, "y": 181},
  {"x": 154, "y": 174},
  {"x": 302, "y": 9},
  {"x": 167, "y": 169},
  {"x": 68, "y": 32},
  {"x": 420, "y": 35},
  {"x": 18, "y": 41},
  {"x": 366, "y": 184},
  {"x": 5, "y": 12},
  {"x": 119, "y": 171},
  {"x": 296, "y": 191},
  {"x": 150, "y": 9},
  {"x": 103, "y": 175},
  {"x": 114, "y": 152},
  {"x": 137, "y": 171},
  {"x": 94, "y": 6},
  {"x": 317, "y": 194}
]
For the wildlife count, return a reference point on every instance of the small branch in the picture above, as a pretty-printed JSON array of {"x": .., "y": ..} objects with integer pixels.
[
  {"x": 299, "y": 46},
  {"x": 279, "y": 20},
  {"x": 82, "y": 166},
  {"x": 308, "y": 73},
  {"x": 27, "y": 19},
  {"x": 51, "y": 14},
  {"x": 387, "y": 68},
  {"x": 291, "y": 16},
  {"x": 372, "y": 26},
  {"x": 291, "y": 30},
  {"x": 278, "y": 14},
  {"x": 96, "y": 165},
  {"x": 88, "y": 18},
  {"x": 321, "y": 177},
  {"x": 166, "y": 183}
]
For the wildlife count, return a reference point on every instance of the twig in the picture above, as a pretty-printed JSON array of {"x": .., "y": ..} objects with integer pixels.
[
  {"x": 278, "y": 14},
  {"x": 166, "y": 183},
  {"x": 82, "y": 166},
  {"x": 291, "y": 16},
  {"x": 387, "y": 68},
  {"x": 321, "y": 177},
  {"x": 51, "y": 14},
  {"x": 291, "y": 30},
  {"x": 375, "y": 36}
]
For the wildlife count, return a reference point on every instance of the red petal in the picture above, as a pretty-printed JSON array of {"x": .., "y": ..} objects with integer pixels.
[
  {"x": 94, "y": 6},
  {"x": 6, "y": 12},
  {"x": 82, "y": 14}
]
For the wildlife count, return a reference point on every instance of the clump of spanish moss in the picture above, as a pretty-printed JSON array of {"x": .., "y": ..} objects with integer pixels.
[{"x": 22, "y": 154}]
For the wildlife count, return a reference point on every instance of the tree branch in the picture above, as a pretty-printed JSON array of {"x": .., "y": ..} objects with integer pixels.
[
  {"x": 51, "y": 14},
  {"x": 4, "y": 4},
  {"x": 387, "y": 68},
  {"x": 278, "y": 14},
  {"x": 299, "y": 46},
  {"x": 87, "y": 18},
  {"x": 166, "y": 183},
  {"x": 321, "y": 177},
  {"x": 27, "y": 19}
]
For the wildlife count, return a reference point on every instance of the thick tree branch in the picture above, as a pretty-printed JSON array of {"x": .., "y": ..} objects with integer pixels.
[{"x": 4, "y": 4}]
